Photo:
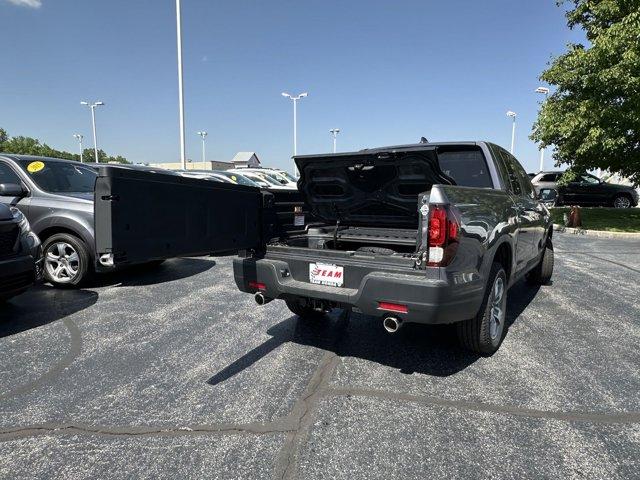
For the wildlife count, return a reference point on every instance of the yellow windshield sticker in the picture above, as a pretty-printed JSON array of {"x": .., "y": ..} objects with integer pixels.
[
  {"x": 234, "y": 178},
  {"x": 35, "y": 167}
]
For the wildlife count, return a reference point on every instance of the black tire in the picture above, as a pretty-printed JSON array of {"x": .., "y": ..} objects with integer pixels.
[
  {"x": 304, "y": 311},
  {"x": 484, "y": 333},
  {"x": 622, "y": 200},
  {"x": 542, "y": 273},
  {"x": 82, "y": 267}
]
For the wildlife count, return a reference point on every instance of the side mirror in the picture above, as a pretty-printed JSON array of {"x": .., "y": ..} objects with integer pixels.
[{"x": 12, "y": 190}]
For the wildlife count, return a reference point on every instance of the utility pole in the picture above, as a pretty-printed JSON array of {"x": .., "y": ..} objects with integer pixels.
[
  {"x": 79, "y": 137},
  {"x": 93, "y": 106},
  {"x": 545, "y": 92},
  {"x": 183, "y": 154},
  {"x": 513, "y": 115},
  {"x": 203, "y": 134},
  {"x": 295, "y": 123},
  {"x": 334, "y": 132}
]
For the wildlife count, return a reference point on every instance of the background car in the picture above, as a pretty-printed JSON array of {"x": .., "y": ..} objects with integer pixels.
[
  {"x": 542, "y": 180},
  {"x": 587, "y": 190}
]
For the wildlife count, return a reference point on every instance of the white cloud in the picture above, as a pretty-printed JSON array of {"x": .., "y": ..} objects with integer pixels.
[{"x": 27, "y": 3}]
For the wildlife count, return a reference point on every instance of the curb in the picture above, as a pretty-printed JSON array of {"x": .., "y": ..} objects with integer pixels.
[{"x": 595, "y": 233}]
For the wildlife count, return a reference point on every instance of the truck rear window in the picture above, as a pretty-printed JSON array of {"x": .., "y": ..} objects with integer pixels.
[{"x": 466, "y": 166}]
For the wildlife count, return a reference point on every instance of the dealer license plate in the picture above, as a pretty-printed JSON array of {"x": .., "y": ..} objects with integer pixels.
[{"x": 326, "y": 274}]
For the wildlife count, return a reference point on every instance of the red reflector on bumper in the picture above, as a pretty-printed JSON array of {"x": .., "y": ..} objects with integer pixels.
[
  {"x": 392, "y": 307},
  {"x": 257, "y": 285}
]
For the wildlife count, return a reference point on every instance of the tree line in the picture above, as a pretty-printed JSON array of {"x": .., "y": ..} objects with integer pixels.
[{"x": 32, "y": 146}]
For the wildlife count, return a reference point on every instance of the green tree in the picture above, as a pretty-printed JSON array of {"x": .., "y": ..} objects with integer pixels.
[
  {"x": 593, "y": 117},
  {"x": 32, "y": 146}
]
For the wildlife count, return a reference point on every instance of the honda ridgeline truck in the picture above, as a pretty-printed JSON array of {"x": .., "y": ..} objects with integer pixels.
[{"x": 428, "y": 233}]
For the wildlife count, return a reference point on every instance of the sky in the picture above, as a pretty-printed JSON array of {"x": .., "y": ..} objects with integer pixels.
[{"x": 385, "y": 72}]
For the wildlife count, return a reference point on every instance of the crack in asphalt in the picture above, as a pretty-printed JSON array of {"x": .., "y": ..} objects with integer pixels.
[
  {"x": 75, "y": 348},
  {"x": 590, "y": 417},
  {"x": 173, "y": 431},
  {"x": 286, "y": 464}
]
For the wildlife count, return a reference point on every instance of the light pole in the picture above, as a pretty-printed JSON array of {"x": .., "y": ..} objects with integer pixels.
[
  {"x": 183, "y": 154},
  {"x": 79, "y": 137},
  {"x": 545, "y": 92},
  {"x": 513, "y": 128},
  {"x": 203, "y": 134},
  {"x": 295, "y": 123},
  {"x": 334, "y": 132},
  {"x": 93, "y": 106}
]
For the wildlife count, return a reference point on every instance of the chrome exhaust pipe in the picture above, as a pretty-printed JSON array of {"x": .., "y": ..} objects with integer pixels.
[
  {"x": 392, "y": 324},
  {"x": 261, "y": 299}
]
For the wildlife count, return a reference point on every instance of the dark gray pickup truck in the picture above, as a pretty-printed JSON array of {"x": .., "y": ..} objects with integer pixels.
[{"x": 426, "y": 233}]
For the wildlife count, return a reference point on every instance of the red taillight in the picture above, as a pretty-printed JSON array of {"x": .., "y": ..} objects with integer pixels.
[
  {"x": 437, "y": 226},
  {"x": 444, "y": 228},
  {"x": 257, "y": 285},
  {"x": 392, "y": 307}
]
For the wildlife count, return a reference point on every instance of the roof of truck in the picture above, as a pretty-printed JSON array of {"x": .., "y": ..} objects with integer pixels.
[{"x": 408, "y": 146}]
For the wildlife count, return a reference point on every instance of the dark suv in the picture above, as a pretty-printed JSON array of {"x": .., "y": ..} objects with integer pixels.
[{"x": 586, "y": 190}]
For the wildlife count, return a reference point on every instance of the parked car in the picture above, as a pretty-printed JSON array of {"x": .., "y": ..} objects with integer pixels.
[
  {"x": 56, "y": 196},
  {"x": 20, "y": 248},
  {"x": 426, "y": 233},
  {"x": 262, "y": 177},
  {"x": 204, "y": 175},
  {"x": 279, "y": 176},
  {"x": 587, "y": 190}
]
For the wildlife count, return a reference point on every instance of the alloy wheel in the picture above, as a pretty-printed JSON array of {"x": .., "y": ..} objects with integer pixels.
[
  {"x": 496, "y": 321},
  {"x": 622, "y": 202},
  {"x": 62, "y": 262}
]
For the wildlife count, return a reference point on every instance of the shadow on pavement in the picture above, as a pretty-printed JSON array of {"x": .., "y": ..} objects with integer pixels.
[
  {"x": 423, "y": 349},
  {"x": 153, "y": 274},
  {"x": 41, "y": 305}
]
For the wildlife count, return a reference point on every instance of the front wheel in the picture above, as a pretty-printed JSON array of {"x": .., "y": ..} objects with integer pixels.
[
  {"x": 483, "y": 333},
  {"x": 66, "y": 260},
  {"x": 622, "y": 201}
]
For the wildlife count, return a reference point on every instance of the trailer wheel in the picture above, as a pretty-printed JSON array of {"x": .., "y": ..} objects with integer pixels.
[
  {"x": 483, "y": 333},
  {"x": 303, "y": 310}
]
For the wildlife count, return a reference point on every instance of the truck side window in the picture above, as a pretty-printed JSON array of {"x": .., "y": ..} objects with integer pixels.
[
  {"x": 467, "y": 166},
  {"x": 516, "y": 189},
  {"x": 525, "y": 181},
  {"x": 7, "y": 175}
]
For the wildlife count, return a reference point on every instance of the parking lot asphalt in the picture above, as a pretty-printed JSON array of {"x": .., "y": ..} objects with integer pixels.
[{"x": 173, "y": 373}]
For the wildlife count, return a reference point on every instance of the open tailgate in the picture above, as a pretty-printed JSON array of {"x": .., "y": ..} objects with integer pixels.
[{"x": 142, "y": 216}]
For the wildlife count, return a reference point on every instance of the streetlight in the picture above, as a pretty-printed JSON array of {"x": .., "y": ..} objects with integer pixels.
[
  {"x": 334, "y": 132},
  {"x": 93, "y": 106},
  {"x": 79, "y": 137},
  {"x": 203, "y": 134},
  {"x": 513, "y": 128},
  {"x": 183, "y": 155},
  {"x": 295, "y": 122},
  {"x": 545, "y": 92}
]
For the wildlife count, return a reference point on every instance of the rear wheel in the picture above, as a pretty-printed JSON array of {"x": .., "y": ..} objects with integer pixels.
[
  {"x": 483, "y": 333},
  {"x": 66, "y": 260},
  {"x": 304, "y": 310},
  {"x": 541, "y": 274}
]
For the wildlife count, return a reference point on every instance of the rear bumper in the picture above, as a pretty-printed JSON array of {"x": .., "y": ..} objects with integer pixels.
[
  {"x": 429, "y": 301},
  {"x": 17, "y": 274}
]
